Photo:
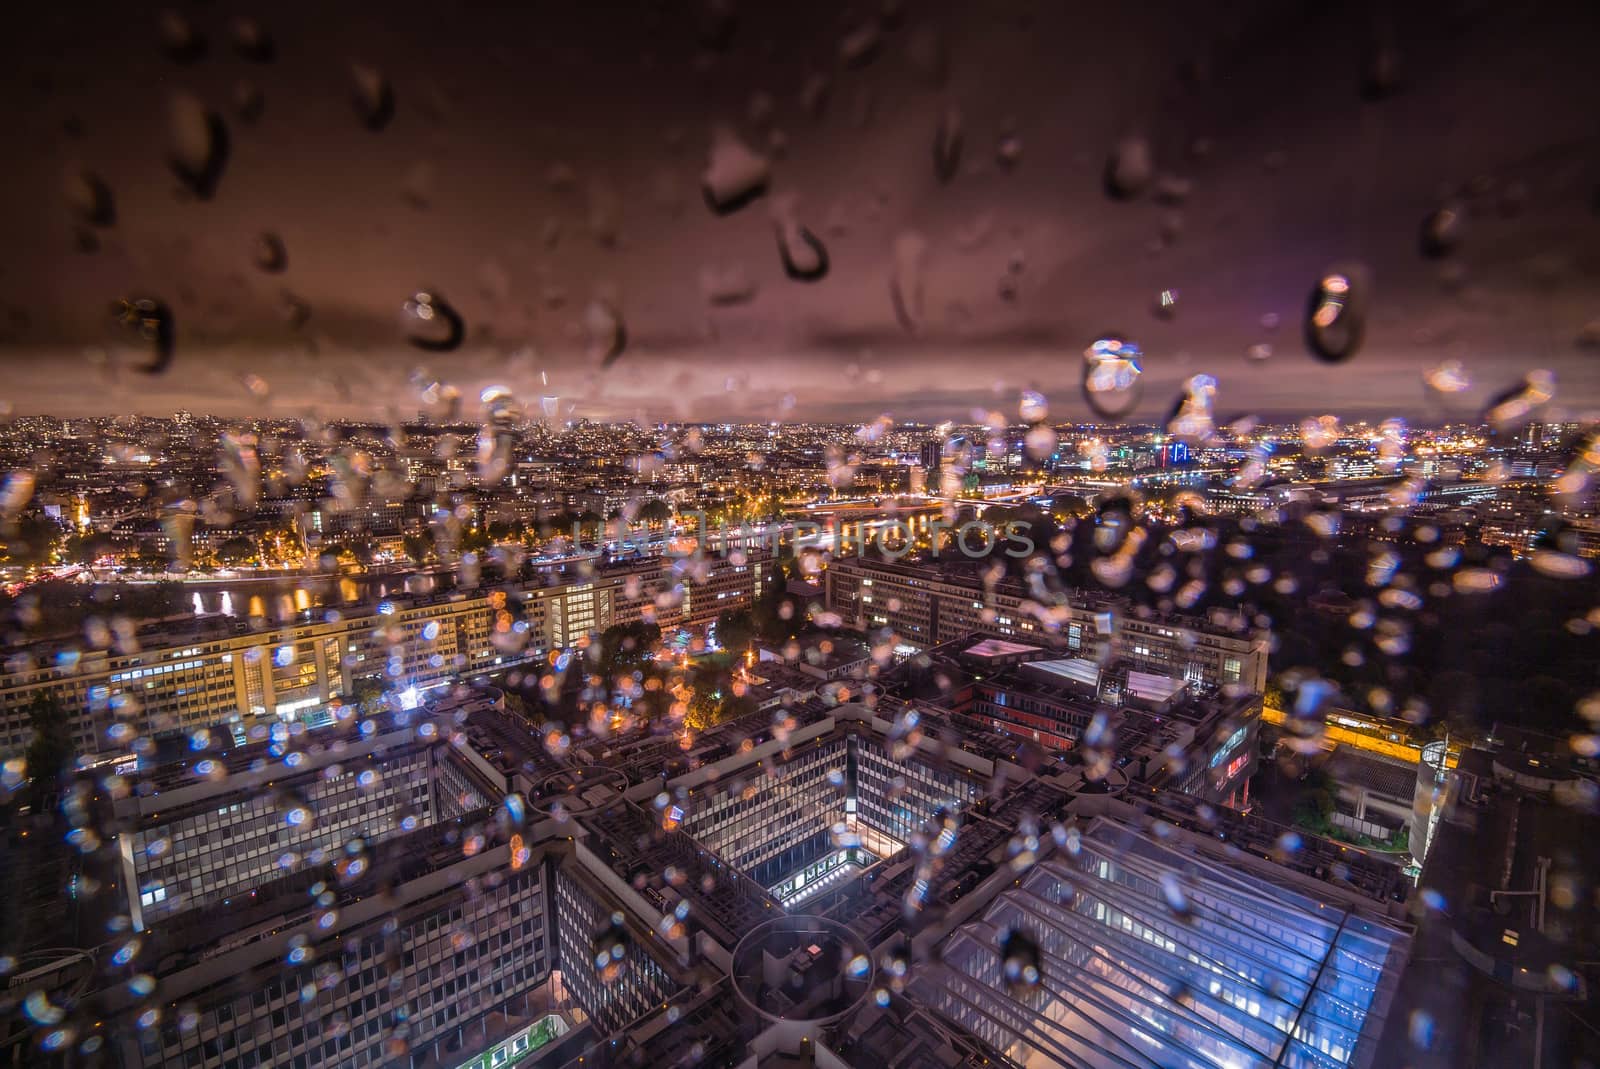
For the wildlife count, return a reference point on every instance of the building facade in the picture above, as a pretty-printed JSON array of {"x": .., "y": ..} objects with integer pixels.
[
  {"x": 177, "y": 677},
  {"x": 932, "y": 603}
]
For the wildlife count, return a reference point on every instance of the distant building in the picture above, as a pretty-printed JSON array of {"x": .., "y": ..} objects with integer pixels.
[
  {"x": 928, "y": 604},
  {"x": 173, "y": 677}
]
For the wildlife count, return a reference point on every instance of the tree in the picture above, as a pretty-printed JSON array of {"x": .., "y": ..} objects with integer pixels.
[
  {"x": 30, "y": 541},
  {"x": 150, "y": 558},
  {"x": 236, "y": 550},
  {"x": 736, "y": 629},
  {"x": 768, "y": 615},
  {"x": 714, "y": 697},
  {"x": 49, "y": 752},
  {"x": 418, "y": 548},
  {"x": 366, "y": 692},
  {"x": 626, "y": 646},
  {"x": 87, "y": 548},
  {"x": 1314, "y": 807},
  {"x": 1070, "y": 507},
  {"x": 655, "y": 512}
]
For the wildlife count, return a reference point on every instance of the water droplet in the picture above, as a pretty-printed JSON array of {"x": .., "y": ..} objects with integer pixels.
[
  {"x": 296, "y": 312},
  {"x": 906, "y": 286},
  {"x": 1381, "y": 76},
  {"x": 90, "y": 198},
  {"x": 1165, "y": 306},
  {"x": 1033, "y": 407},
  {"x": 270, "y": 254},
  {"x": 416, "y": 186},
  {"x": 1513, "y": 407},
  {"x": 1111, "y": 374},
  {"x": 180, "y": 40},
  {"x": 804, "y": 256},
  {"x": 1336, "y": 315},
  {"x": 861, "y": 45},
  {"x": 612, "y": 946},
  {"x": 814, "y": 94},
  {"x": 147, "y": 323},
  {"x": 717, "y": 24},
  {"x": 1008, "y": 150},
  {"x": 249, "y": 102},
  {"x": 1173, "y": 893},
  {"x": 1172, "y": 189},
  {"x": 252, "y": 42},
  {"x": 1040, "y": 443},
  {"x": 199, "y": 145},
  {"x": 947, "y": 144},
  {"x": 430, "y": 323},
  {"x": 735, "y": 174},
  {"x": 1020, "y": 960},
  {"x": 1259, "y": 351},
  {"x": 1448, "y": 377},
  {"x": 608, "y": 335},
  {"x": 929, "y": 55},
  {"x": 1129, "y": 169},
  {"x": 1420, "y": 1029},
  {"x": 1558, "y": 565},
  {"x": 605, "y": 213},
  {"x": 728, "y": 284},
  {"x": 1442, "y": 231},
  {"x": 1192, "y": 419},
  {"x": 372, "y": 96}
]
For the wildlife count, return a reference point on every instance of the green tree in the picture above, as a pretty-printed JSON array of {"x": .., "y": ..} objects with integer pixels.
[
  {"x": 768, "y": 614},
  {"x": 1314, "y": 807},
  {"x": 29, "y": 541},
  {"x": 151, "y": 559},
  {"x": 712, "y": 698},
  {"x": 50, "y": 751},
  {"x": 236, "y": 550},
  {"x": 627, "y": 646},
  {"x": 736, "y": 629},
  {"x": 87, "y": 548},
  {"x": 366, "y": 692},
  {"x": 418, "y": 548},
  {"x": 1070, "y": 507}
]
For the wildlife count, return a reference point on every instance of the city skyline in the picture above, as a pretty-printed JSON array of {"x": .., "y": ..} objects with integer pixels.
[{"x": 870, "y": 534}]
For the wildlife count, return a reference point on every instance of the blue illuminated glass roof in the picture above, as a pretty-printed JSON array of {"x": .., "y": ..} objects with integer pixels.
[{"x": 1156, "y": 956}]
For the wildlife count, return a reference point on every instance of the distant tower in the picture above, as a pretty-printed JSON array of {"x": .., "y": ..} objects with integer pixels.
[{"x": 932, "y": 455}]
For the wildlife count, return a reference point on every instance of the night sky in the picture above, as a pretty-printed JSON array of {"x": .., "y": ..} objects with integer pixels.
[{"x": 545, "y": 160}]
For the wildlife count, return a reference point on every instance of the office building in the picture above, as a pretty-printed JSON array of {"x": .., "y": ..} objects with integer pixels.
[{"x": 934, "y": 602}]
